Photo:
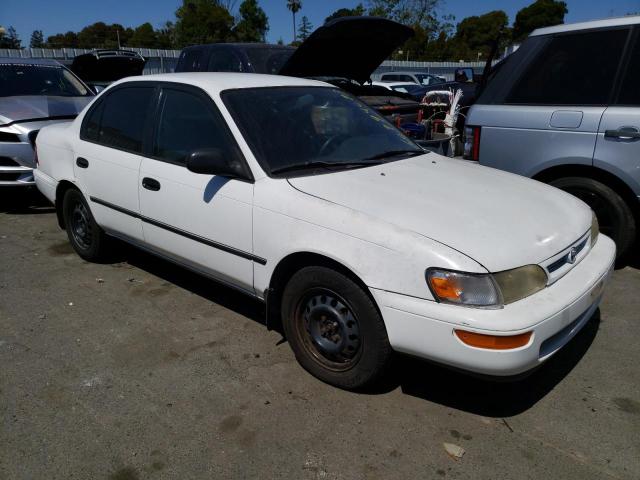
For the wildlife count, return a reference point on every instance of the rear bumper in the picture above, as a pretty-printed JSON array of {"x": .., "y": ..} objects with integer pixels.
[{"x": 554, "y": 315}]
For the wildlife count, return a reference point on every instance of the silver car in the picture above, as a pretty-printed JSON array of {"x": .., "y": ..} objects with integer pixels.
[
  {"x": 565, "y": 109},
  {"x": 33, "y": 93}
]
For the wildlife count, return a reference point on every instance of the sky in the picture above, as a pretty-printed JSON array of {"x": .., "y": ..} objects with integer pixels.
[{"x": 59, "y": 16}]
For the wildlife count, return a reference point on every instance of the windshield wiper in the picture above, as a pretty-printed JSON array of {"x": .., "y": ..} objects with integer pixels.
[
  {"x": 327, "y": 165},
  {"x": 394, "y": 153}
]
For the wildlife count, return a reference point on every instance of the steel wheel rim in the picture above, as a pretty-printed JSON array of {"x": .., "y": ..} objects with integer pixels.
[
  {"x": 80, "y": 226},
  {"x": 329, "y": 329}
]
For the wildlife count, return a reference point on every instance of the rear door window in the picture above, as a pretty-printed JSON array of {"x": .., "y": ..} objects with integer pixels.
[
  {"x": 190, "y": 60},
  {"x": 572, "y": 69},
  {"x": 629, "y": 90}
]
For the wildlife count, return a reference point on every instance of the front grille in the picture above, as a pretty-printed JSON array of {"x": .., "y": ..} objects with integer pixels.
[
  {"x": 9, "y": 177},
  {"x": 562, "y": 261},
  {"x": 9, "y": 137},
  {"x": 8, "y": 162}
]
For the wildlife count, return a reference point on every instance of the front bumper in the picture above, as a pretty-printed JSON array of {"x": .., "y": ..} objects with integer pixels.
[
  {"x": 16, "y": 163},
  {"x": 555, "y": 315}
]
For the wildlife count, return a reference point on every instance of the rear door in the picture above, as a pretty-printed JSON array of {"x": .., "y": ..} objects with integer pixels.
[
  {"x": 550, "y": 115},
  {"x": 108, "y": 157},
  {"x": 203, "y": 221},
  {"x": 618, "y": 145}
]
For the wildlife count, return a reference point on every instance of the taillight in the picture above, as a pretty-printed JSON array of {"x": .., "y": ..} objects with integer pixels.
[{"x": 472, "y": 143}]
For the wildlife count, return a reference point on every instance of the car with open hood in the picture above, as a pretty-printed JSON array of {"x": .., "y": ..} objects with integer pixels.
[
  {"x": 344, "y": 51},
  {"x": 358, "y": 241},
  {"x": 33, "y": 93}
]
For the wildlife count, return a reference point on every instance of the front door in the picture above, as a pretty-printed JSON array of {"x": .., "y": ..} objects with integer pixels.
[{"x": 204, "y": 221}]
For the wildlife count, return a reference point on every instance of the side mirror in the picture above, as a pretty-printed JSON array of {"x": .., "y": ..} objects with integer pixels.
[{"x": 213, "y": 161}]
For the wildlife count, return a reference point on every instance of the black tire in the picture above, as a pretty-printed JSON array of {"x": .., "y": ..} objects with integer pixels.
[
  {"x": 86, "y": 237},
  {"x": 614, "y": 215},
  {"x": 334, "y": 328}
]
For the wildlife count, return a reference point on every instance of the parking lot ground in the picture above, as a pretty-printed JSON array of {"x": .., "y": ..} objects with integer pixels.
[{"x": 138, "y": 369}]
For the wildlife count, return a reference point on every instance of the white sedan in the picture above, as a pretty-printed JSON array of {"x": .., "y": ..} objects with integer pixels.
[{"x": 359, "y": 242}]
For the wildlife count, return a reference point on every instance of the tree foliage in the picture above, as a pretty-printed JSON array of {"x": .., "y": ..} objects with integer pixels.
[
  {"x": 305, "y": 28},
  {"x": 10, "y": 39},
  {"x": 541, "y": 13},
  {"x": 144, "y": 36},
  {"x": 202, "y": 21},
  {"x": 253, "y": 24},
  {"x": 37, "y": 39},
  {"x": 358, "y": 11}
]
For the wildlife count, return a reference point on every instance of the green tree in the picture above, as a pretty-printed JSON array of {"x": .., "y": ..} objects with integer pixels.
[
  {"x": 202, "y": 21},
  {"x": 475, "y": 36},
  {"x": 143, "y": 36},
  {"x": 63, "y": 40},
  {"x": 253, "y": 24},
  {"x": 37, "y": 39},
  {"x": 358, "y": 11},
  {"x": 166, "y": 36},
  {"x": 10, "y": 39},
  {"x": 294, "y": 6},
  {"x": 305, "y": 28},
  {"x": 541, "y": 13},
  {"x": 408, "y": 12}
]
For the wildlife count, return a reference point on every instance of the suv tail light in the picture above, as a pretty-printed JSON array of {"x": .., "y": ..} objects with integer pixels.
[{"x": 472, "y": 143}]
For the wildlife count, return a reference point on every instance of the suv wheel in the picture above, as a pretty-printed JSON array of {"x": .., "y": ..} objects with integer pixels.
[
  {"x": 334, "y": 328},
  {"x": 614, "y": 215},
  {"x": 86, "y": 237}
]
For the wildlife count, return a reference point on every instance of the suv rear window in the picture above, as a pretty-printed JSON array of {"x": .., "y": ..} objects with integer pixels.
[{"x": 572, "y": 69}]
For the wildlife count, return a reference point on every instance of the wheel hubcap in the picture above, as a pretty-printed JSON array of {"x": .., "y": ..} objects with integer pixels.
[
  {"x": 80, "y": 226},
  {"x": 331, "y": 330}
]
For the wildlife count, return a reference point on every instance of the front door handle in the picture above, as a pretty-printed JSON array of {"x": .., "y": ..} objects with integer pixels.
[
  {"x": 151, "y": 184},
  {"x": 624, "y": 133},
  {"x": 82, "y": 162}
]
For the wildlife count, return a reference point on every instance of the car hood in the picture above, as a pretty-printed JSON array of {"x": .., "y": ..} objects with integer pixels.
[
  {"x": 40, "y": 107},
  {"x": 500, "y": 220},
  {"x": 348, "y": 47}
]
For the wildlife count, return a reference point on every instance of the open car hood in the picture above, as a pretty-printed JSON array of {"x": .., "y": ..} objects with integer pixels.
[
  {"x": 348, "y": 47},
  {"x": 109, "y": 67}
]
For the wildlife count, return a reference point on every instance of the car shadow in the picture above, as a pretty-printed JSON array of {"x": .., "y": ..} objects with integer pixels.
[
  {"x": 24, "y": 201},
  {"x": 413, "y": 376}
]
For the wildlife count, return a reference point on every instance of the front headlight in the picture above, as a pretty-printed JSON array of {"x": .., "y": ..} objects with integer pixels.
[
  {"x": 485, "y": 290},
  {"x": 595, "y": 228}
]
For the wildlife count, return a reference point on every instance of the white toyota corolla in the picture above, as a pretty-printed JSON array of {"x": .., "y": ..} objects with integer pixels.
[{"x": 360, "y": 242}]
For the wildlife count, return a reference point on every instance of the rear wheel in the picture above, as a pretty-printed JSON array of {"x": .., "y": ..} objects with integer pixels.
[
  {"x": 615, "y": 218},
  {"x": 334, "y": 328},
  {"x": 86, "y": 237}
]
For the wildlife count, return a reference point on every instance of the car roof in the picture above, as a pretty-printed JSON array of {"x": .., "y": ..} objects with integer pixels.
[
  {"x": 215, "y": 82},
  {"x": 30, "y": 61},
  {"x": 570, "y": 27}
]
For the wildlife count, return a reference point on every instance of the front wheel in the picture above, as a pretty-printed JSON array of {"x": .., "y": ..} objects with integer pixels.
[
  {"x": 615, "y": 218},
  {"x": 85, "y": 235},
  {"x": 334, "y": 328}
]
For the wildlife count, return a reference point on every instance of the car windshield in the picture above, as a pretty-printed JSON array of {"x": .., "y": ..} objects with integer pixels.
[
  {"x": 26, "y": 79},
  {"x": 303, "y": 128},
  {"x": 428, "y": 79}
]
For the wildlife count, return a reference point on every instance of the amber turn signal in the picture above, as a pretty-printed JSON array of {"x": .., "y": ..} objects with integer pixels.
[{"x": 493, "y": 342}]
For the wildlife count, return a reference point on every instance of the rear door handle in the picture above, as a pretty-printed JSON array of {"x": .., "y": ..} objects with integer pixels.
[
  {"x": 625, "y": 133},
  {"x": 82, "y": 162},
  {"x": 151, "y": 184}
]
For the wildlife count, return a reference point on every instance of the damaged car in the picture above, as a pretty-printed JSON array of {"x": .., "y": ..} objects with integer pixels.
[{"x": 33, "y": 93}]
